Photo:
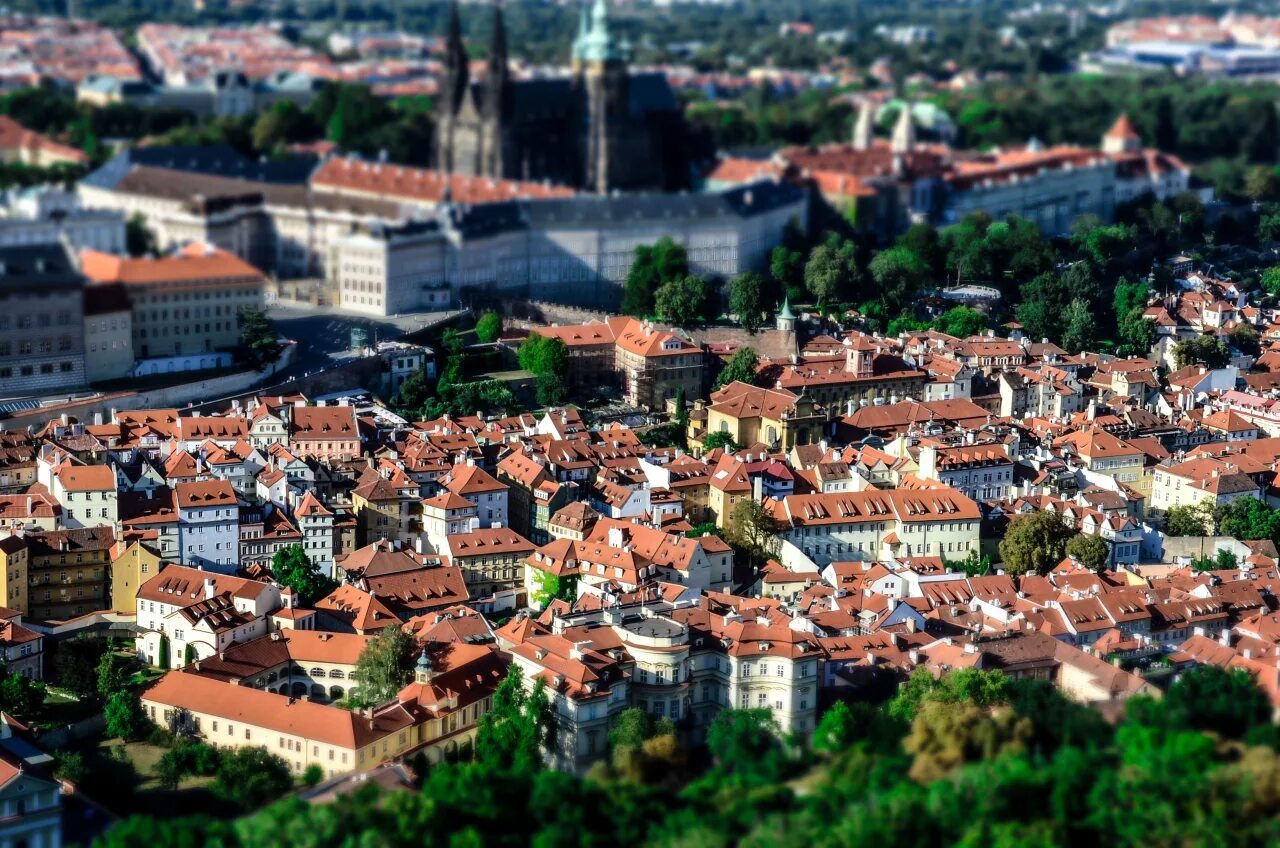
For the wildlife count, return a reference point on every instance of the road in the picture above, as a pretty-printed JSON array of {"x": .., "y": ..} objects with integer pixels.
[{"x": 324, "y": 336}]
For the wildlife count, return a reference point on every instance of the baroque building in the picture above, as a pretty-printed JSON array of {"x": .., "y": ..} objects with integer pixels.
[{"x": 602, "y": 128}]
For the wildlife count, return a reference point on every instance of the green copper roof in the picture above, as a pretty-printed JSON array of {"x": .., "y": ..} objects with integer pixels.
[{"x": 785, "y": 311}]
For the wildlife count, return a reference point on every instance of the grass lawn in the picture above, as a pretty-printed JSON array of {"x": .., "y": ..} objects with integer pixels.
[{"x": 61, "y": 708}]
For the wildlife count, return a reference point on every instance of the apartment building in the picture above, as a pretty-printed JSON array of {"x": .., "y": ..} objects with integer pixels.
[
  {"x": 185, "y": 303},
  {"x": 208, "y": 525},
  {"x": 491, "y": 558},
  {"x": 876, "y": 525},
  {"x": 41, "y": 321},
  {"x": 67, "y": 571}
]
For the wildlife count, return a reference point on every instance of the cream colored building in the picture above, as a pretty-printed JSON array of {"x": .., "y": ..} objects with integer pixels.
[{"x": 878, "y": 525}]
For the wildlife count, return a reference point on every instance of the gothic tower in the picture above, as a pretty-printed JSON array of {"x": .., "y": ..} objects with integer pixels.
[
  {"x": 497, "y": 96},
  {"x": 600, "y": 69},
  {"x": 453, "y": 88}
]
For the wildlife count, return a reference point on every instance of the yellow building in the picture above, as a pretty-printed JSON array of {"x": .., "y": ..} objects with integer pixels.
[
  {"x": 14, "y": 568},
  {"x": 132, "y": 564},
  {"x": 386, "y": 506},
  {"x": 727, "y": 485},
  {"x": 435, "y": 714},
  {"x": 68, "y": 571},
  {"x": 776, "y": 417}
]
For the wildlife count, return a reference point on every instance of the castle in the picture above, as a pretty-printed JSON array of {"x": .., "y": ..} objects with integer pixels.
[{"x": 601, "y": 129}]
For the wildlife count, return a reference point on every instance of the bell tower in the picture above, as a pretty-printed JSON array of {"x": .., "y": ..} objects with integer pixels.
[
  {"x": 601, "y": 67},
  {"x": 453, "y": 87},
  {"x": 497, "y": 97}
]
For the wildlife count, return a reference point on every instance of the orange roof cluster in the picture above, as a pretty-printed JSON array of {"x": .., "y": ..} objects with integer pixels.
[
  {"x": 197, "y": 264},
  {"x": 353, "y": 176}
]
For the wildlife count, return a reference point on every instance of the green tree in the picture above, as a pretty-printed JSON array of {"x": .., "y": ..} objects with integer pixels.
[
  {"x": 312, "y": 775},
  {"x": 1092, "y": 551},
  {"x": 746, "y": 299},
  {"x": 1271, "y": 276},
  {"x": 1269, "y": 231},
  {"x": 1188, "y": 520},
  {"x": 163, "y": 660},
  {"x": 787, "y": 266},
  {"x": 20, "y": 695},
  {"x": 719, "y": 439},
  {"x": 1206, "y": 350},
  {"x": 293, "y": 569},
  {"x": 384, "y": 666},
  {"x": 1035, "y": 542},
  {"x": 513, "y": 735},
  {"x": 1078, "y": 333},
  {"x": 985, "y": 688},
  {"x": 543, "y": 355},
  {"x": 945, "y": 736},
  {"x": 258, "y": 337},
  {"x": 1102, "y": 243},
  {"x": 413, "y": 394},
  {"x": 684, "y": 300},
  {"x": 77, "y": 664},
  {"x": 826, "y": 273},
  {"x": 741, "y": 368},
  {"x": 753, "y": 530},
  {"x": 654, "y": 265},
  {"x": 899, "y": 275},
  {"x": 1130, "y": 296},
  {"x": 836, "y": 731},
  {"x": 282, "y": 124},
  {"x": 961, "y": 322},
  {"x": 70, "y": 766},
  {"x": 111, "y": 677},
  {"x": 551, "y": 587},
  {"x": 1245, "y": 339},
  {"x": 124, "y": 716},
  {"x": 250, "y": 777},
  {"x": 489, "y": 327},
  {"x": 746, "y": 746},
  {"x": 973, "y": 565},
  {"x": 1248, "y": 519},
  {"x": 1138, "y": 333},
  {"x": 550, "y": 389},
  {"x": 138, "y": 237},
  {"x": 1208, "y": 698}
]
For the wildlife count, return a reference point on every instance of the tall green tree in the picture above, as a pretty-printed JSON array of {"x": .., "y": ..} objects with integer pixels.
[
  {"x": 746, "y": 299},
  {"x": 1078, "y": 334},
  {"x": 543, "y": 355},
  {"x": 685, "y": 300},
  {"x": 1035, "y": 542},
  {"x": 293, "y": 569},
  {"x": 1092, "y": 551},
  {"x": 740, "y": 367},
  {"x": 258, "y": 337},
  {"x": 489, "y": 327},
  {"x": 384, "y": 666},
  {"x": 520, "y": 727},
  {"x": 654, "y": 265}
]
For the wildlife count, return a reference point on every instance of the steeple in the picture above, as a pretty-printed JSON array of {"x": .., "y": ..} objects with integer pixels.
[
  {"x": 422, "y": 671},
  {"x": 455, "y": 61},
  {"x": 786, "y": 320},
  {"x": 864, "y": 127},
  {"x": 904, "y": 132},
  {"x": 497, "y": 73},
  {"x": 599, "y": 45},
  {"x": 584, "y": 26}
]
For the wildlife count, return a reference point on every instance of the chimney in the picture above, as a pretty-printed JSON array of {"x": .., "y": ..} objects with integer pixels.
[{"x": 210, "y": 588}]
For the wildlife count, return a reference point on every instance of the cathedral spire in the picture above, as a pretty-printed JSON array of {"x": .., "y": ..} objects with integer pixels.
[
  {"x": 455, "y": 60},
  {"x": 497, "y": 78}
]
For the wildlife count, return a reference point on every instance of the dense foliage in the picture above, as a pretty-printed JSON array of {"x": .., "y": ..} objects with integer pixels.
[{"x": 972, "y": 759}]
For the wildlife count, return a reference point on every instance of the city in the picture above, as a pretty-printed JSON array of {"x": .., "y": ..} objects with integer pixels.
[{"x": 671, "y": 422}]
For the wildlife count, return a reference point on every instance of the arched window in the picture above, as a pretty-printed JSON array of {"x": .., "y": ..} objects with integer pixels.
[
  {"x": 336, "y": 674},
  {"x": 317, "y": 672}
]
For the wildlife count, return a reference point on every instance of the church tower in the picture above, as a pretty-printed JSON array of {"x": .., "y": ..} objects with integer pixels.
[
  {"x": 497, "y": 97},
  {"x": 453, "y": 88},
  {"x": 864, "y": 128},
  {"x": 600, "y": 69}
]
